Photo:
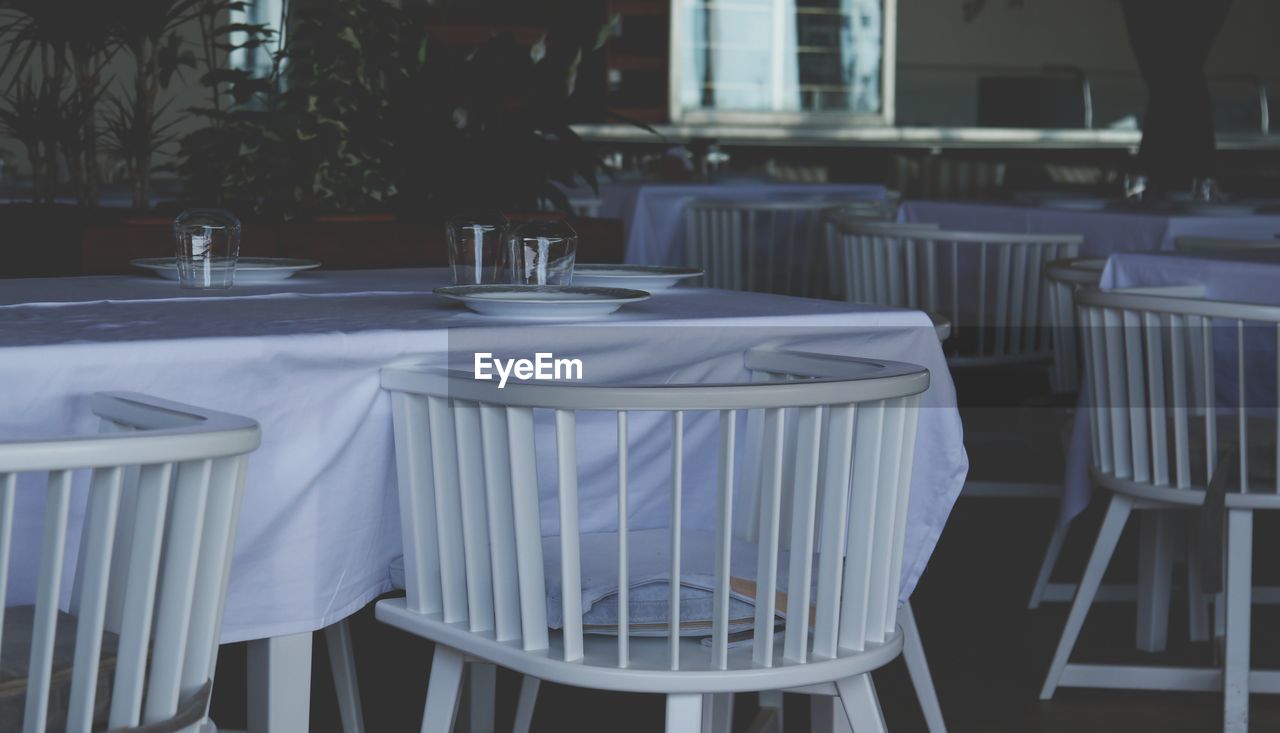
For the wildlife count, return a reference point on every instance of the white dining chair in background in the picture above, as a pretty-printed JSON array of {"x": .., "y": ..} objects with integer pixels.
[
  {"x": 762, "y": 246},
  {"x": 478, "y": 587},
  {"x": 138, "y": 643},
  {"x": 1062, "y": 279},
  {"x": 989, "y": 285},
  {"x": 1182, "y": 407}
]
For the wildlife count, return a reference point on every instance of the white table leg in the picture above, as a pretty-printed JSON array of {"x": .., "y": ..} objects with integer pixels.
[
  {"x": 1155, "y": 578},
  {"x": 279, "y": 676}
]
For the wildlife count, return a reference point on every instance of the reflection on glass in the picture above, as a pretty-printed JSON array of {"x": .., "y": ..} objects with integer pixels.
[
  {"x": 782, "y": 55},
  {"x": 206, "y": 247},
  {"x": 478, "y": 248},
  {"x": 544, "y": 252}
]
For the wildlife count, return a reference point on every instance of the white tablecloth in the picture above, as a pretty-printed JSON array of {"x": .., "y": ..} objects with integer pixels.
[
  {"x": 320, "y": 518},
  {"x": 1245, "y": 278},
  {"x": 653, "y": 213},
  {"x": 1105, "y": 232}
]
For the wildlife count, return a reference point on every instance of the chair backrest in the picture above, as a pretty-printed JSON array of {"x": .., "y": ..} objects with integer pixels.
[
  {"x": 1218, "y": 244},
  {"x": 164, "y": 487},
  {"x": 470, "y": 513},
  {"x": 1063, "y": 278},
  {"x": 1178, "y": 384},
  {"x": 762, "y": 246},
  {"x": 988, "y": 284}
]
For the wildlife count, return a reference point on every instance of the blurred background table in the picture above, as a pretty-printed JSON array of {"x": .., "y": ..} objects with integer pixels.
[
  {"x": 1105, "y": 231},
  {"x": 653, "y": 213}
]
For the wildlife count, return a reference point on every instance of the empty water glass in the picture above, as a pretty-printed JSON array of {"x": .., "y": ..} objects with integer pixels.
[
  {"x": 543, "y": 252},
  {"x": 478, "y": 250},
  {"x": 207, "y": 244}
]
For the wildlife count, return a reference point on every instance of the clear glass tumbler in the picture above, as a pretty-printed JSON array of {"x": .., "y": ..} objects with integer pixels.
[
  {"x": 207, "y": 244},
  {"x": 543, "y": 252},
  {"x": 478, "y": 251}
]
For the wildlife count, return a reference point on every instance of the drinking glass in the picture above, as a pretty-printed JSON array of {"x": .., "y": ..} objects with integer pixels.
[
  {"x": 1205, "y": 190},
  {"x": 207, "y": 244},
  {"x": 543, "y": 252},
  {"x": 478, "y": 248}
]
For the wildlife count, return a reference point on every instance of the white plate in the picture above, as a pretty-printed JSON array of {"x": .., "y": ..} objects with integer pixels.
[
  {"x": 541, "y": 301},
  {"x": 249, "y": 270},
  {"x": 1205, "y": 209},
  {"x": 1076, "y": 203},
  {"x": 640, "y": 277}
]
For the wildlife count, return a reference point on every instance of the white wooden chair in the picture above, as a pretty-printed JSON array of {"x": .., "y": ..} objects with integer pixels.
[
  {"x": 1063, "y": 278},
  {"x": 989, "y": 285},
  {"x": 476, "y": 581},
  {"x": 138, "y": 644},
  {"x": 1210, "y": 245},
  {"x": 1183, "y": 415},
  {"x": 761, "y": 246}
]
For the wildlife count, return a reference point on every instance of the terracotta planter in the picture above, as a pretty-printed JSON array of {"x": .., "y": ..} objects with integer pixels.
[
  {"x": 363, "y": 242},
  {"x": 42, "y": 240}
]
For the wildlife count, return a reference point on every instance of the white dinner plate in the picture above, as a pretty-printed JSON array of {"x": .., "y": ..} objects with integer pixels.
[
  {"x": 541, "y": 301},
  {"x": 249, "y": 270},
  {"x": 640, "y": 277},
  {"x": 1209, "y": 209},
  {"x": 1076, "y": 203}
]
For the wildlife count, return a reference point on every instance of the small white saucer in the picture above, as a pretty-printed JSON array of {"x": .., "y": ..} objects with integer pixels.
[
  {"x": 640, "y": 277},
  {"x": 541, "y": 301},
  {"x": 249, "y": 270}
]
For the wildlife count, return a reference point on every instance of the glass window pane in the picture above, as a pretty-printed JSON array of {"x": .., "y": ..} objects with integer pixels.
[{"x": 781, "y": 55}]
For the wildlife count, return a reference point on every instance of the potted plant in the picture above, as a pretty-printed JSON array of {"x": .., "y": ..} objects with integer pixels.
[{"x": 375, "y": 132}]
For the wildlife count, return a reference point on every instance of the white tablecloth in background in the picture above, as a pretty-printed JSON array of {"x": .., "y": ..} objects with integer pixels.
[
  {"x": 653, "y": 213},
  {"x": 1105, "y": 232},
  {"x": 319, "y": 524},
  {"x": 1246, "y": 278}
]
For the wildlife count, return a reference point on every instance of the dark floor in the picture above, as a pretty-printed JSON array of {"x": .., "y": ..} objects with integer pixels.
[{"x": 988, "y": 652}]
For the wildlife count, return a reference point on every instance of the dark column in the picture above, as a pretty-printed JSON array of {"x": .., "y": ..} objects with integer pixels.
[{"x": 1171, "y": 40}]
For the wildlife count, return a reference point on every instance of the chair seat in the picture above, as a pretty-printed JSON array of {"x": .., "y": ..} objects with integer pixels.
[
  {"x": 649, "y": 669},
  {"x": 15, "y": 656},
  {"x": 649, "y": 599},
  {"x": 1262, "y": 492}
]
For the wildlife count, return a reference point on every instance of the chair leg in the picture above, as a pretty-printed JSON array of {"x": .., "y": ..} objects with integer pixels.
[
  {"x": 1239, "y": 591},
  {"x": 717, "y": 713},
  {"x": 1155, "y": 578},
  {"x": 918, "y": 669},
  {"x": 1197, "y": 604},
  {"x": 1108, "y": 535},
  {"x": 772, "y": 699},
  {"x": 483, "y": 697},
  {"x": 443, "y": 690},
  {"x": 684, "y": 713},
  {"x": 1051, "y": 554},
  {"x": 826, "y": 715},
  {"x": 524, "y": 706},
  {"x": 342, "y": 660},
  {"x": 861, "y": 705}
]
